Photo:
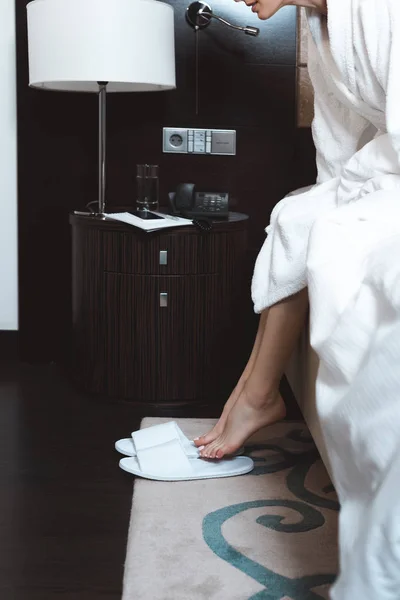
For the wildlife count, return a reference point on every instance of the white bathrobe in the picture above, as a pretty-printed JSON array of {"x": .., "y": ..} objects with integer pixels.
[{"x": 342, "y": 240}]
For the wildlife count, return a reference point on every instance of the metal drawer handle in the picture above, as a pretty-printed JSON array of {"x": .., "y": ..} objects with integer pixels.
[
  {"x": 163, "y": 257},
  {"x": 163, "y": 299}
]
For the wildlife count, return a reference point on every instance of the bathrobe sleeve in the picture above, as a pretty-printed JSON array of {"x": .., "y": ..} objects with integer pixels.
[{"x": 338, "y": 131}]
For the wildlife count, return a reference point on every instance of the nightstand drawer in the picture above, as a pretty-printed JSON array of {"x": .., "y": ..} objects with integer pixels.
[
  {"x": 175, "y": 253},
  {"x": 165, "y": 335}
]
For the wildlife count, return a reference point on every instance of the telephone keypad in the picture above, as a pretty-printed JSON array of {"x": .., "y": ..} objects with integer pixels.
[{"x": 212, "y": 203}]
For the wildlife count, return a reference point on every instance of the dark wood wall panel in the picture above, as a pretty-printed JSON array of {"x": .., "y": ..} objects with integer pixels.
[{"x": 244, "y": 83}]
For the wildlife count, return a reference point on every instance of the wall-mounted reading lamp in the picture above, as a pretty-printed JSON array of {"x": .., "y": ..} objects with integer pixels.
[{"x": 199, "y": 16}]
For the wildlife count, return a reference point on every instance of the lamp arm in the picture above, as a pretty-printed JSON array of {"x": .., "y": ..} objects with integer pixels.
[{"x": 253, "y": 31}]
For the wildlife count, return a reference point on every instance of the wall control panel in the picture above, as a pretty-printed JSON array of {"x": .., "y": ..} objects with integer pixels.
[{"x": 199, "y": 141}]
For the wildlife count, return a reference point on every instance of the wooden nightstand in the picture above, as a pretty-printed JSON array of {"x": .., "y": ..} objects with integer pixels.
[{"x": 153, "y": 313}]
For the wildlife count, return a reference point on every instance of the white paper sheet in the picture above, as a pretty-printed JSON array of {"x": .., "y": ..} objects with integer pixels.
[{"x": 150, "y": 225}]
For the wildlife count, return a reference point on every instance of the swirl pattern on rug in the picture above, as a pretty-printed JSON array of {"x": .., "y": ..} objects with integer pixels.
[{"x": 301, "y": 507}]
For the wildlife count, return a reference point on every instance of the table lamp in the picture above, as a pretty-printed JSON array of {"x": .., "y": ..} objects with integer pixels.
[{"x": 101, "y": 46}]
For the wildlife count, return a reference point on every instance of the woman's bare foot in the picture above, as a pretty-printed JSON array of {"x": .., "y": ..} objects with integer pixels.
[
  {"x": 249, "y": 414},
  {"x": 218, "y": 428}
]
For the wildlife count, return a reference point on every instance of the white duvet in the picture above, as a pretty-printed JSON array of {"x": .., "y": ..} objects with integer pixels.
[{"x": 342, "y": 240}]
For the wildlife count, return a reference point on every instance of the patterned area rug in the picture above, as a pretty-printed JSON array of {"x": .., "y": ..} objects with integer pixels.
[{"x": 268, "y": 535}]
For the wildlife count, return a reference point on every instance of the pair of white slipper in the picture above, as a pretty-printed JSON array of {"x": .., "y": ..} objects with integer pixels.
[{"x": 164, "y": 453}]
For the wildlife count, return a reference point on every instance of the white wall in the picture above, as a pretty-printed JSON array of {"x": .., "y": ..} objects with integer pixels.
[{"x": 8, "y": 170}]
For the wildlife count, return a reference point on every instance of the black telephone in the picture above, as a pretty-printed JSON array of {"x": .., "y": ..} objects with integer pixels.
[{"x": 194, "y": 205}]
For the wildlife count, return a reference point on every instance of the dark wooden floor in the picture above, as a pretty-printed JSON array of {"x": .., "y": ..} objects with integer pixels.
[{"x": 64, "y": 503}]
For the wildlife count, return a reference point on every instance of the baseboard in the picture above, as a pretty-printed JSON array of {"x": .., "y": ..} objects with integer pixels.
[{"x": 9, "y": 345}]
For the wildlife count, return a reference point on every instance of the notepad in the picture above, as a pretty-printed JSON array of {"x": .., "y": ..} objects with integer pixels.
[{"x": 149, "y": 225}]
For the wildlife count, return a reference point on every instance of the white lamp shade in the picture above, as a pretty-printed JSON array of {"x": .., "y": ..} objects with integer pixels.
[{"x": 73, "y": 44}]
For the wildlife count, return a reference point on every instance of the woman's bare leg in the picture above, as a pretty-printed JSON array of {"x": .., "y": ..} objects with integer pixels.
[
  {"x": 259, "y": 403},
  {"x": 219, "y": 427}
]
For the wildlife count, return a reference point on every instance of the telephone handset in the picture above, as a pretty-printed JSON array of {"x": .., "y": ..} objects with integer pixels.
[{"x": 194, "y": 205}]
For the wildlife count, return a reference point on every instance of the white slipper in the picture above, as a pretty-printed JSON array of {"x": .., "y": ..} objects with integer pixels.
[
  {"x": 126, "y": 447},
  {"x": 161, "y": 455}
]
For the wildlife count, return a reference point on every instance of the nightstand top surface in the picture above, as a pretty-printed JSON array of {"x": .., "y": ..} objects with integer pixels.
[{"x": 236, "y": 220}]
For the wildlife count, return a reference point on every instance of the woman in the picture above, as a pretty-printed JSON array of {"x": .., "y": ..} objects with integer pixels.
[
  {"x": 334, "y": 249},
  {"x": 353, "y": 104}
]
